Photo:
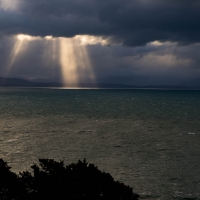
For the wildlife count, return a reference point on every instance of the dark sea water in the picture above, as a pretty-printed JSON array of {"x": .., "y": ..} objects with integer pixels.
[{"x": 148, "y": 139}]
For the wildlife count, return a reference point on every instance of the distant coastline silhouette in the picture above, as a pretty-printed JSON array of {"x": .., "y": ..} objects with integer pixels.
[{"x": 53, "y": 180}]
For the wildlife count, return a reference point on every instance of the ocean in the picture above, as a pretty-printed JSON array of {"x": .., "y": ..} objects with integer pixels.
[{"x": 148, "y": 139}]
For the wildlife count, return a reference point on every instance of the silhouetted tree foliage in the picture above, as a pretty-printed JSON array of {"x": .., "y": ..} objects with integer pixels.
[{"x": 52, "y": 180}]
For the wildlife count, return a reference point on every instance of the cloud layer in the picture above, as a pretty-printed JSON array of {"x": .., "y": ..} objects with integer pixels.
[
  {"x": 137, "y": 42},
  {"x": 130, "y": 22}
]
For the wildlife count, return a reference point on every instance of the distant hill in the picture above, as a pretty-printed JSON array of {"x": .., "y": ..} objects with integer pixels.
[{"x": 18, "y": 82}]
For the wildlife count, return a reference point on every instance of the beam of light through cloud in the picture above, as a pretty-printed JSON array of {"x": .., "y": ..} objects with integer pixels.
[
  {"x": 71, "y": 54},
  {"x": 19, "y": 48},
  {"x": 50, "y": 51},
  {"x": 169, "y": 61},
  {"x": 83, "y": 62},
  {"x": 74, "y": 61},
  {"x": 69, "y": 57},
  {"x": 68, "y": 60}
]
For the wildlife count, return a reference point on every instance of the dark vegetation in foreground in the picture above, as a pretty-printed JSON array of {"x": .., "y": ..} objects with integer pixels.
[{"x": 54, "y": 181}]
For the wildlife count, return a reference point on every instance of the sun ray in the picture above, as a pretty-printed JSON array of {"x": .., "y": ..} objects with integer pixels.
[
  {"x": 68, "y": 62},
  {"x": 19, "y": 48},
  {"x": 70, "y": 53},
  {"x": 49, "y": 52},
  {"x": 50, "y": 56},
  {"x": 83, "y": 62},
  {"x": 74, "y": 61}
]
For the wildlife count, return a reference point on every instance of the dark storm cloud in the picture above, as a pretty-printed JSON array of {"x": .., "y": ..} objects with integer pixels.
[
  {"x": 152, "y": 64},
  {"x": 131, "y": 22}
]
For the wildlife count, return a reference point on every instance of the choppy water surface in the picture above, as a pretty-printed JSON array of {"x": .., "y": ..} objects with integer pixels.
[{"x": 149, "y": 139}]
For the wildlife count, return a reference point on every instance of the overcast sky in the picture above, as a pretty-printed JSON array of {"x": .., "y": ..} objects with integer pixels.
[{"x": 138, "y": 42}]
